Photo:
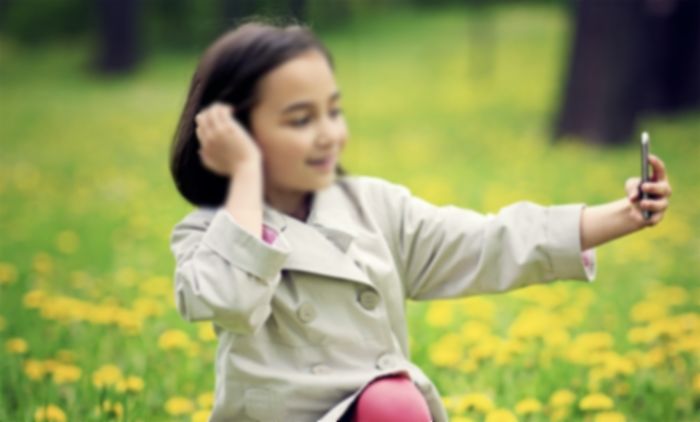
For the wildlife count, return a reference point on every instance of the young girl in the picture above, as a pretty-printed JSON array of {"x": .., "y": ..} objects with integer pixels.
[{"x": 304, "y": 270}]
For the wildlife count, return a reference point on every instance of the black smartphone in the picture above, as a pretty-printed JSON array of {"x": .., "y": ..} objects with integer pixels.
[{"x": 645, "y": 145}]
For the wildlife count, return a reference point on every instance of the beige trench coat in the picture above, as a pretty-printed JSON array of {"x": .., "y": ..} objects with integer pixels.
[{"x": 304, "y": 324}]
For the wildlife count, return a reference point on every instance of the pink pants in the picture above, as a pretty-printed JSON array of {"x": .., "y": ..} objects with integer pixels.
[{"x": 391, "y": 399}]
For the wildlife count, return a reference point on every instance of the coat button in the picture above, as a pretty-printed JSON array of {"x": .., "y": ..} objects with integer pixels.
[
  {"x": 387, "y": 361},
  {"x": 320, "y": 369},
  {"x": 369, "y": 299},
  {"x": 306, "y": 312}
]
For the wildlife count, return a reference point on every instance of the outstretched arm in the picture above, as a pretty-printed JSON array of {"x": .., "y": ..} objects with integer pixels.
[{"x": 603, "y": 223}]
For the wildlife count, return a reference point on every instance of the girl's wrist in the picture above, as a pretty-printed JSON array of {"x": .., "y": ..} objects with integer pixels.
[{"x": 247, "y": 166}]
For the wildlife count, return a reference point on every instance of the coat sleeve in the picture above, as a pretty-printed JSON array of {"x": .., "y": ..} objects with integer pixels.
[
  {"x": 223, "y": 273},
  {"x": 447, "y": 251}
]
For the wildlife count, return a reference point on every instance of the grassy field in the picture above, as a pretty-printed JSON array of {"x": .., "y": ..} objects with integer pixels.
[{"x": 88, "y": 326}]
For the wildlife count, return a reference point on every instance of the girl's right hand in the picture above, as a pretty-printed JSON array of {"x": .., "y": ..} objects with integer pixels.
[{"x": 224, "y": 143}]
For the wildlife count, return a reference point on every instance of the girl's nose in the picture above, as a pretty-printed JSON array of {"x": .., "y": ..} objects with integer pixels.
[{"x": 330, "y": 132}]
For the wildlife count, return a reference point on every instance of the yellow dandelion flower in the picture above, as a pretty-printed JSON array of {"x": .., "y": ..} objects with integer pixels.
[
  {"x": 206, "y": 400},
  {"x": 556, "y": 338},
  {"x": 690, "y": 321},
  {"x": 34, "y": 369},
  {"x": 8, "y": 273},
  {"x": 50, "y": 413},
  {"x": 130, "y": 322},
  {"x": 67, "y": 242},
  {"x": 478, "y": 307},
  {"x": 559, "y": 414},
  {"x": 669, "y": 295},
  {"x": 130, "y": 384},
  {"x": 440, "y": 314},
  {"x": 486, "y": 348},
  {"x": 173, "y": 339},
  {"x": 206, "y": 332},
  {"x": 200, "y": 416},
  {"x": 476, "y": 401},
  {"x": 573, "y": 315},
  {"x": 106, "y": 376},
  {"x": 609, "y": 417},
  {"x": 16, "y": 346},
  {"x": 64, "y": 374},
  {"x": 501, "y": 415},
  {"x": 34, "y": 299},
  {"x": 596, "y": 401},
  {"x": 112, "y": 410},
  {"x": 652, "y": 358},
  {"x": 177, "y": 406},
  {"x": 647, "y": 311},
  {"x": 447, "y": 351},
  {"x": 595, "y": 340},
  {"x": 640, "y": 335},
  {"x": 531, "y": 323},
  {"x": 620, "y": 365},
  {"x": 528, "y": 406},
  {"x": 474, "y": 331},
  {"x": 562, "y": 398}
]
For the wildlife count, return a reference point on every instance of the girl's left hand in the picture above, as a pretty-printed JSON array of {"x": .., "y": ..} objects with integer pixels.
[{"x": 659, "y": 190}]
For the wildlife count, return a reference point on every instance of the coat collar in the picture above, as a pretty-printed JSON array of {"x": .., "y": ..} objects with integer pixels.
[{"x": 320, "y": 244}]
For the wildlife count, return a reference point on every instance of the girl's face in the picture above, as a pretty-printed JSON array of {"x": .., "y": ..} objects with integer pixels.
[{"x": 298, "y": 125}]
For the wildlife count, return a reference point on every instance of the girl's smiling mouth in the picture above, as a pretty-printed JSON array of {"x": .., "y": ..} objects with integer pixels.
[{"x": 323, "y": 164}]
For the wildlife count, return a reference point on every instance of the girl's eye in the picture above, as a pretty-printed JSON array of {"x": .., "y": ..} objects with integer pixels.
[
  {"x": 300, "y": 122},
  {"x": 336, "y": 112}
]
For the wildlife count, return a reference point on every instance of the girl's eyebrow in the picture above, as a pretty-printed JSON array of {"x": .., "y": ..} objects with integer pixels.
[{"x": 303, "y": 104}]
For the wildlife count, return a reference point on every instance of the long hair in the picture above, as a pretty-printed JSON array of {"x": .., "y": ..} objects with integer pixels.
[{"x": 229, "y": 71}]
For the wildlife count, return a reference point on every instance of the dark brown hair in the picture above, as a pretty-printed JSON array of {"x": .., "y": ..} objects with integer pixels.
[{"x": 229, "y": 71}]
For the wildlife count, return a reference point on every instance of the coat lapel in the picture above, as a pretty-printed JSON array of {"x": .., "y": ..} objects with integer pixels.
[{"x": 320, "y": 245}]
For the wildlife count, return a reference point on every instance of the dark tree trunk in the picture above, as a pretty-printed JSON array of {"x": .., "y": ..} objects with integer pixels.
[
  {"x": 117, "y": 35},
  {"x": 628, "y": 57},
  {"x": 674, "y": 65}
]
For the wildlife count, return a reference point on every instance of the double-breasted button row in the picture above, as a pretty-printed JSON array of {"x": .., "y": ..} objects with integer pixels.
[
  {"x": 368, "y": 299},
  {"x": 306, "y": 312}
]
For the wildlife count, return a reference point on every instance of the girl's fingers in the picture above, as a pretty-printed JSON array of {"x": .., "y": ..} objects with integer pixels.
[
  {"x": 632, "y": 188},
  {"x": 659, "y": 172},
  {"x": 202, "y": 133},
  {"x": 657, "y": 188},
  {"x": 654, "y": 205}
]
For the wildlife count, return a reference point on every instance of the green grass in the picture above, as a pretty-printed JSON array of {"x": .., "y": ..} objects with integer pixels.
[{"x": 89, "y": 156}]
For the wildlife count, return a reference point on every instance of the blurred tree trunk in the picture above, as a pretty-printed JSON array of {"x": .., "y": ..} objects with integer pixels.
[
  {"x": 118, "y": 49},
  {"x": 674, "y": 66},
  {"x": 629, "y": 57}
]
